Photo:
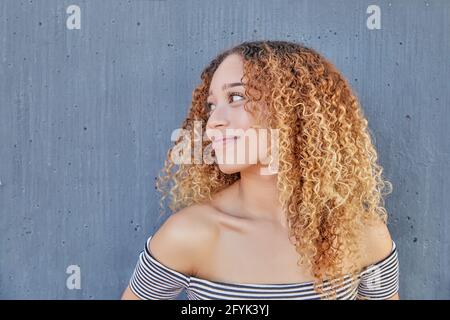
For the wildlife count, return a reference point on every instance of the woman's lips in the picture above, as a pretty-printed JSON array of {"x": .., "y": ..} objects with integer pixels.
[{"x": 222, "y": 141}]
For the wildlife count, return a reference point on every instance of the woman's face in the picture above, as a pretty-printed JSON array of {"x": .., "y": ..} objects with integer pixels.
[{"x": 228, "y": 119}]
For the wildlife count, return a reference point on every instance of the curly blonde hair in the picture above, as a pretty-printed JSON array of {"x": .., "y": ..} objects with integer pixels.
[{"x": 329, "y": 183}]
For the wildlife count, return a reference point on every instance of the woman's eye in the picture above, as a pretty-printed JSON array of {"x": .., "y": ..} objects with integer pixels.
[
  {"x": 235, "y": 94},
  {"x": 211, "y": 107}
]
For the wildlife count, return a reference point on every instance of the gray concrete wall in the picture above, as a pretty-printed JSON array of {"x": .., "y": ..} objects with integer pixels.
[{"x": 86, "y": 117}]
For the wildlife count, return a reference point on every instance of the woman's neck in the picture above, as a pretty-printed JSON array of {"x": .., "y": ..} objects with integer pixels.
[{"x": 258, "y": 196}]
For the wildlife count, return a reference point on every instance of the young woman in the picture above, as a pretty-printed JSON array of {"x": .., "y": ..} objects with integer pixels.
[{"x": 310, "y": 225}]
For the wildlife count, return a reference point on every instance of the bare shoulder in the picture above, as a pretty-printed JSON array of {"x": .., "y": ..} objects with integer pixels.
[
  {"x": 376, "y": 242},
  {"x": 185, "y": 239}
]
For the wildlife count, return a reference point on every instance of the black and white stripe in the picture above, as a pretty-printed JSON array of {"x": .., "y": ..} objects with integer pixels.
[
  {"x": 154, "y": 281},
  {"x": 380, "y": 280}
]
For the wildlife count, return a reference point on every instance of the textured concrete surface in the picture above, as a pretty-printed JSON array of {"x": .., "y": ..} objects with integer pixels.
[{"x": 86, "y": 117}]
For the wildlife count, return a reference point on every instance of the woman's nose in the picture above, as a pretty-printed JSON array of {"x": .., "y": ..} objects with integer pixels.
[
  {"x": 216, "y": 123},
  {"x": 216, "y": 120}
]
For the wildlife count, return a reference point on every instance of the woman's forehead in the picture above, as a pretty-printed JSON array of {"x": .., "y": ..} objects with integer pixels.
[{"x": 229, "y": 71}]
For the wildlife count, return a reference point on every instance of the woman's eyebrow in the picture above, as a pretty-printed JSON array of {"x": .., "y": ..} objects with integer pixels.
[{"x": 228, "y": 85}]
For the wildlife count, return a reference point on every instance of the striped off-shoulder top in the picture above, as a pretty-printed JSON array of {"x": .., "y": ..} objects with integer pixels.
[{"x": 152, "y": 280}]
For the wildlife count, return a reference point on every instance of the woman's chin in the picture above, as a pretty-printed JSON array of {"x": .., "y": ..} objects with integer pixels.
[{"x": 232, "y": 168}]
